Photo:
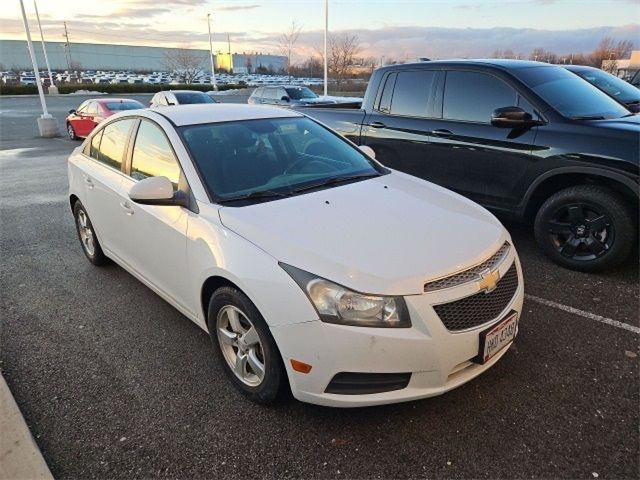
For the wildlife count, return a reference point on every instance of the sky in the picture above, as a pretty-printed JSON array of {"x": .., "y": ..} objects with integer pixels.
[{"x": 394, "y": 29}]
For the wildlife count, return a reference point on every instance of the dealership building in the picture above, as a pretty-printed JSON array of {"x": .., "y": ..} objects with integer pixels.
[{"x": 14, "y": 55}]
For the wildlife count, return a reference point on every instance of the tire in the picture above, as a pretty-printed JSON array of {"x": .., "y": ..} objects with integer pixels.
[
  {"x": 88, "y": 239},
  {"x": 586, "y": 228},
  {"x": 225, "y": 303},
  {"x": 71, "y": 132}
]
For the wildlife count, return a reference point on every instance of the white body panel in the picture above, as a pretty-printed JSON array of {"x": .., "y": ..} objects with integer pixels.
[{"x": 387, "y": 235}]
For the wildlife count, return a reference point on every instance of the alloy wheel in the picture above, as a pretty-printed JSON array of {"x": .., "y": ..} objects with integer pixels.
[
  {"x": 581, "y": 232},
  {"x": 71, "y": 132},
  {"x": 86, "y": 233},
  {"x": 241, "y": 345}
]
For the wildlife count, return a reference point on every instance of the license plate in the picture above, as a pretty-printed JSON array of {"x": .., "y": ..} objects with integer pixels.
[{"x": 497, "y": 337}]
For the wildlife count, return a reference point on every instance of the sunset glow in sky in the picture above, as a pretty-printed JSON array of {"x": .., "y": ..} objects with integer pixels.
[{"x": 393, "y": 28}]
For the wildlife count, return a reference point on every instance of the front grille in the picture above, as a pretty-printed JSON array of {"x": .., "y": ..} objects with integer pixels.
[
  {"x": 470, "y": 275},
  {"x": 355, "y": 383},
  {"x": 480, "y": 308}
]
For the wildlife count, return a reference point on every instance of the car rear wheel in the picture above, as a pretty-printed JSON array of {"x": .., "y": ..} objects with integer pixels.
[
  {"x": 86, "y": 235},
  {"x": 244, "y": 345},
  {"x": 586, "y": 228},
  {"x": 71, "y": 132}
]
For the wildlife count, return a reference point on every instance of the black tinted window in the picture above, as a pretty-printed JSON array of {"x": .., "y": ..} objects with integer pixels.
[
  {"x": 185, "y": 98},
  {"x": 385, "y": 99},
  {"x": 473, "y": 96},
  {"x": 411, "y": 93},
  {"x": 153, "y": 156},
  {"x": 128, "y": 105},
  {"x": 114, "y": 143}
]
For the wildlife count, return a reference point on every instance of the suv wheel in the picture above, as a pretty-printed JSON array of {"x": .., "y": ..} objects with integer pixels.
[
  {"x": 244, "y": 345},
  {"x": 586, "y": 228}
]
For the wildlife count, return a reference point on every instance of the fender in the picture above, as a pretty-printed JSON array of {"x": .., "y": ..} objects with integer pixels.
[{"x": 630, "y": 183}]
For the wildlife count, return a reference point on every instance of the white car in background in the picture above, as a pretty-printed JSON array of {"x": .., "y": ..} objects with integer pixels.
[{"x": 312, "y": 266}]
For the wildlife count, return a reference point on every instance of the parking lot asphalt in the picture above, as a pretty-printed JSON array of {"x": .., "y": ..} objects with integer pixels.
[{"x": 113, "y": 382}]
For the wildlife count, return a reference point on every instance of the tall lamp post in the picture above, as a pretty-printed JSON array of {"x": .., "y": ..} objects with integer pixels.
[
  {"x": 213, "y": 72},
  {"x": 326, "y": 30},
  {"x": 47, "y": 125},
  {"x": 52, "y": 88}
]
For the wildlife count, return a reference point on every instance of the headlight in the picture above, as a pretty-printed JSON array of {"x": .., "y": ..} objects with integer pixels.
[{"x": 338, "y": 304}]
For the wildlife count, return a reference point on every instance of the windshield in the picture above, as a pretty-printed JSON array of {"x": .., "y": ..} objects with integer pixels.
[
  {"x": 571, "y": 96},
  {"x": 129, "y": 105},
  {"x": 299, "y": 93},
  {"x": 272, "y": 157},
  {"x": 614, "y": 86},
  {"x": 185, "y": 98}
]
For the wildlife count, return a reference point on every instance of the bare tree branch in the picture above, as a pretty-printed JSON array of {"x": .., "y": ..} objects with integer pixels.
[
  {"x": 186, "y": 63},
  {"x": 287, "y": 42}
]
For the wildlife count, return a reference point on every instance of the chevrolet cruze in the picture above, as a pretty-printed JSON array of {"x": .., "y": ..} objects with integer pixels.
[{"x": 313, "y": 267}]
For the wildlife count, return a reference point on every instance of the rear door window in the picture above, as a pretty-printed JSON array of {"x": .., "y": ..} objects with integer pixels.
[
  {"x": 411, "y": 93},
  {"x": 473, "y": 96},
  {"x": 114, "y": 143}
]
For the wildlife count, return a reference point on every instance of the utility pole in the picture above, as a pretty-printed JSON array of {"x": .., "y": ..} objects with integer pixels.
[
  {"x": 230, "y": 58},
  {"x": 67, "y": 48},
  {"x": 52, "y": 87},
  {"x": 47, "y": 125},
  {"x": 326, "y": 30},
  {"x": 213, "y": 71}
]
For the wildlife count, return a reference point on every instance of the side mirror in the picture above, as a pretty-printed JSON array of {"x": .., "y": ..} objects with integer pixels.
[
  {"x": 512, "y": 117},
  {"x": 368, "y": 151},
  {"x": 157, "y": 191},
  {"x": 72, "y": 111},
  {"x": 285, "y": 98}
]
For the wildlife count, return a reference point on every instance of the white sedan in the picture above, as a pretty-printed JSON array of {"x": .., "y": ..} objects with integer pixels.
[{"x": 313, "y": 267}]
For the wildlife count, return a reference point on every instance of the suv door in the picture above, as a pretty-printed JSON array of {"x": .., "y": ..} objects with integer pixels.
[
  {"x": 102, "y": 176},
  {"x": 399, "y": 127},
  {"x": 469, "y": 155},
  {"x": 155, "y": 236}
]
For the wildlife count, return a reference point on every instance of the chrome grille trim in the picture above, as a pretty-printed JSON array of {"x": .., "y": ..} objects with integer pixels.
[
  {"x": 470, "y": 275},
  {"x": 481, "y": 308}
]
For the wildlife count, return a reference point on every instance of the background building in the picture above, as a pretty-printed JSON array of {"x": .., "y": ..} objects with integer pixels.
[{"x": 91, "y": 56}]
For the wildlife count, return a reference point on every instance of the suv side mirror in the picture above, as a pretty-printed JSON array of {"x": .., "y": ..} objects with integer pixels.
[
  {"x": 157, "y": 191},
  {"x": 512, "y": 117},
  {"x": 285, "y": 98}
]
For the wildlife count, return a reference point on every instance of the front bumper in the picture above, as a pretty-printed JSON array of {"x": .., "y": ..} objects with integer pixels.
[{"x": 438, "y": 359}]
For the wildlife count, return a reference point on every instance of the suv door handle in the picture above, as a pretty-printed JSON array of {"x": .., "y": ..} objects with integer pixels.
[
  {"x": 377, "y": 125},
  {"x": 441, "y": 132},
  {"x": 128, "y": 209}
]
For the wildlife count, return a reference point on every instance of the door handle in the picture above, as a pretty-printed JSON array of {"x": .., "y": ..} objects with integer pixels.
[
  {"x": 128, "y": 209},
  {"x": 88, "y": 182},
  {"x": 377, "y": 125},
  {"x": 441, "y": 132}
]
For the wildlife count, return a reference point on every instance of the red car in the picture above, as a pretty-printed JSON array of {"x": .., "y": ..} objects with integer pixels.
[{"x": 80, "y": 122}]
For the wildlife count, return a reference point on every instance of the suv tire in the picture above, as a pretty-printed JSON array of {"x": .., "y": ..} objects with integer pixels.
[{"x": 586, "y": 228}]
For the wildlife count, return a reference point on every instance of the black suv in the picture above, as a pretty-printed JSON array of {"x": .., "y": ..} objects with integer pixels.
[{"x": 528, "y": 140}]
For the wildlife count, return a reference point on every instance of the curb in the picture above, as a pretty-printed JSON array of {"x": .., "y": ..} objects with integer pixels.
[{"x": 20, "y": 457}]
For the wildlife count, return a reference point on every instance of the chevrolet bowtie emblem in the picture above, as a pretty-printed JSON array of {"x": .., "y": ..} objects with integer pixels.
[{"x": 488, "y": 281}]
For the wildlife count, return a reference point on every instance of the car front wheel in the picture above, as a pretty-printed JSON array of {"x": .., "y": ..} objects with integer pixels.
[
  {"x": 244, "y": 345},
  {"x": 71, "y": 132},
  {"x": 586, "y": 228}
]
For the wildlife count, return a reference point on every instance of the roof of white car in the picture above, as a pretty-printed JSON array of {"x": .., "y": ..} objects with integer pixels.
[{"x": 221, "y": 112}]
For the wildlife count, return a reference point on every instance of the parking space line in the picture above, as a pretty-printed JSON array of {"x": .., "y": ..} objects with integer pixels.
[{"x": 582, "y": 313}]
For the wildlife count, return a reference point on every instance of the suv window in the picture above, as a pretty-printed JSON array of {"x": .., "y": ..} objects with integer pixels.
[
  {"x": 411, "y": 93},
  {"x": 153, "y": 155},
  {"x": 387, "y": 92},
  {"x": 114, "y": 142},
  {"x": 473, "y": 96}
]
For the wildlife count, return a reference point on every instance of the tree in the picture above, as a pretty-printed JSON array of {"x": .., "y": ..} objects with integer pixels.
[
  {"x": 608, "y": 51},
  {"x": 287, "y": 42},
  {"x": 186, "y": 63},
  {"x": 342, "y": 53}
]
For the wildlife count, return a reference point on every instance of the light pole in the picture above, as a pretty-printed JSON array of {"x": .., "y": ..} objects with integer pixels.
[
  {"x": 47, "y": 125},
  {"x": 52, "y": 87},
  {"x": 326, "y": 32},
  {"x": 213, "y": 71}
]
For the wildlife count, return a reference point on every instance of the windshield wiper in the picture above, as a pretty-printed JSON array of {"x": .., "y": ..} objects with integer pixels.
[
  {"x": 589, "y": 117},
  {"x": 256, "y": 195},
  {"x": 335, "y": 180}
]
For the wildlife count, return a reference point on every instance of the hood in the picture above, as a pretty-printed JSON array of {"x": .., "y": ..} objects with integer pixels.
[{"x": 386, "y": 235}]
